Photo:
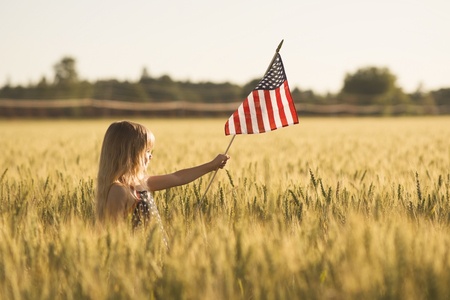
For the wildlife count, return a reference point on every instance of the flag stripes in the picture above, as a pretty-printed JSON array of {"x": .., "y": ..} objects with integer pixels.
[
  {"x": 268, "y": 107},
  {"x": 262, "y": 111}
]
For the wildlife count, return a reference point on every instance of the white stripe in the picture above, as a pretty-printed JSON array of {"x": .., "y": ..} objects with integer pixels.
[
  {"x": 276, "y": 111},
  {"x": 242, "y": 119},
  {"x": 287, "y": 110},
  {"x": 265, "y": 115},
  {"x": 231, "y": 126},
  {"x": 253, "y": 118}
]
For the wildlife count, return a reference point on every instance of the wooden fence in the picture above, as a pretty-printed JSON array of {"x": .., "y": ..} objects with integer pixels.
[{"x": 11, "y": 108}]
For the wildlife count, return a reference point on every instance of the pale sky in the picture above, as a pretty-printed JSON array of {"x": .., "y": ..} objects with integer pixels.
[{"x": 233, "y": 40}]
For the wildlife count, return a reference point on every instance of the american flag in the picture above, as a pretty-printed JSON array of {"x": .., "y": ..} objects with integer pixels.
[{"x": 268, "y": 107}]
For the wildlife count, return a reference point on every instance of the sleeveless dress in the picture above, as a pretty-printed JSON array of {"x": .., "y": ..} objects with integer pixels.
[{"x": 144, "y": 210}]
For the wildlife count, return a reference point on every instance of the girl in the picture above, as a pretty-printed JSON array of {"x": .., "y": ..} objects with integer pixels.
[{"x": 122, "y": 180}]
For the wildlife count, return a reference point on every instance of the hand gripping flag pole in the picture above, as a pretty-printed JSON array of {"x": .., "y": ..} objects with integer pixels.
[
  {"x": 268, "y": 107},
  {"x": 215, "y": 172}
]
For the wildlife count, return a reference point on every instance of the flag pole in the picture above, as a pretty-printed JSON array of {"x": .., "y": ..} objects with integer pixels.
[
  {"x": 232, "y": 139},
  {"x": 215, "y": 172},
  {"x": 274, "y": 56}
]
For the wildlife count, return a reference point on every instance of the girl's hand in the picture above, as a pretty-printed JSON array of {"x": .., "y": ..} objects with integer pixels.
[{"x": 220, "y": 161}]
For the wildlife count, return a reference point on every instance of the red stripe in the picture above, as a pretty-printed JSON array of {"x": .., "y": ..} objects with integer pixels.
[
  {"x": 292, "y": 108},
  {"x": 248, "y": 116},
  {"x": 281, "y": 108},
  {"x": 237, "y": 123},
  {"x": 271, "y": 110},
  {"x": 268, "y": 100},
  {"x": 227, "y": 128},
  {"x": 258, "y": 111}
]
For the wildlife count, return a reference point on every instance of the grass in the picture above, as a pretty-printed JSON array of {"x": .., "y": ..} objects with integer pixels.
[{"x": 344, "y": 208}]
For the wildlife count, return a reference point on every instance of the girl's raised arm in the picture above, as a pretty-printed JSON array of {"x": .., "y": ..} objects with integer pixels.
[{"x": 161, "y": 182}]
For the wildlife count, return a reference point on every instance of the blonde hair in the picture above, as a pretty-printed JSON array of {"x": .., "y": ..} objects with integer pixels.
[{"x": 121, "y": 159}]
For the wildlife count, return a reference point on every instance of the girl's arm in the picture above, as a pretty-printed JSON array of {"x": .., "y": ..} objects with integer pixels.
[{"x": 161, "y": 182}]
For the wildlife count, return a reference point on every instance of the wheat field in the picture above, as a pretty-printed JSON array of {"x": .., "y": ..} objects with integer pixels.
[{"x": 331, "y": 208}]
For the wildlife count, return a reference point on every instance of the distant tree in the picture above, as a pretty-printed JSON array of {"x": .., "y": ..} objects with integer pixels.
[
  {"x": 42, "y": 90},
  {"x": 369, "y": 81},
  {"x": 308, "y": 96},
  {"x": 217, "y": 92},
  {"x": 145, "y": 74},
  {"x": 421, "y": 97},
  {"x": 372, "y": 85},
  {"x": 43, "y": 82},
  {"x": 161, "y": 89},
  {"x": 442, "y": 96},
  {"x": 84, "y": 89},
  {"x": 65, "y": 72}
]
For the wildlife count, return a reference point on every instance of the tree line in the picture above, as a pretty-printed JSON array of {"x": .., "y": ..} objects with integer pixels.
[{"x": 366, "y": 86}]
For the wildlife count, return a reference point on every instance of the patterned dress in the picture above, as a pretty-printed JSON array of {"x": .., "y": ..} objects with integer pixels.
[
  {"x": 141, "y": 210},
  {"x": 144, "y": 210}
]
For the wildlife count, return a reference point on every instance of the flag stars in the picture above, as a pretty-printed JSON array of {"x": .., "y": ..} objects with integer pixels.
[{"x": 274, "y": 77}]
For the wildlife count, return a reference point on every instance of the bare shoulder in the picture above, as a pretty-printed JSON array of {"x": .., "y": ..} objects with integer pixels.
[
  {"x": 118, "y": 191},
  {"x": 119, "y": 199}
]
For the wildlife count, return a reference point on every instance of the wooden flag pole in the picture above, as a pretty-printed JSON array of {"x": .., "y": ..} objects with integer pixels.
[
  {"x": 232, "y": 139},
  {"x": 274, "y": 56},
  {"x": 215, "y": 172}
]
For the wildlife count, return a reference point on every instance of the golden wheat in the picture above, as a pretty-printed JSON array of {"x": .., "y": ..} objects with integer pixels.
[{"x": 332, "y": 208}]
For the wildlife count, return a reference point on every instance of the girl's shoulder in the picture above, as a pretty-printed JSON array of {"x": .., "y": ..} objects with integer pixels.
[
  {"x": 118, "y": 189},
  {"x": 119, "y": 197}
]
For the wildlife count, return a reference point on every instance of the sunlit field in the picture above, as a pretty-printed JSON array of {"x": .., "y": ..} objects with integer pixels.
[{"x": 331, "y": 208}]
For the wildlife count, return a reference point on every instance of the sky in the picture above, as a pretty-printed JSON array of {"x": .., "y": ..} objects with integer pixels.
[{"x": 228, "y": 41}]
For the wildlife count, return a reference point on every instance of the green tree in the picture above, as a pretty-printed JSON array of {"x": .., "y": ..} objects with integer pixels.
[
  {"x": 369, "y": 81},
  {"x": 442, "y": 96},
  {"x": 145, "y": 74},
  {"x": 372, "y": 85},
  {"x": 42, "y": 90},
  {"x": 65, "y": 72}
]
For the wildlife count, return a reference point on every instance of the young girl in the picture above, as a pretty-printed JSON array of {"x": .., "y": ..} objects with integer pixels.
[{"x": 122, "y": 179}]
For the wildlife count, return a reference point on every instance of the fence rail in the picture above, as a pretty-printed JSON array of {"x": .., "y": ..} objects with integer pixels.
[{"x": 94, "y": 108}]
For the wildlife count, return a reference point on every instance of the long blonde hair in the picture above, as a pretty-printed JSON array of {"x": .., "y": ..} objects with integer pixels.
[{"x": 121, "y": 159}]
